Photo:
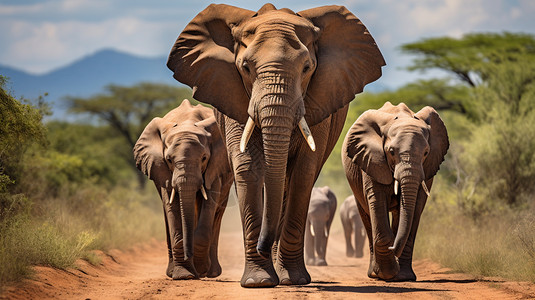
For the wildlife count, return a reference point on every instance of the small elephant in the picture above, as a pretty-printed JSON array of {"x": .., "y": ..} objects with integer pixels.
[
  {"x": 390, "y": 157},
  {"x": 354, "y": 230},
  {"x": 270, "y": 75},
  {"x": 184, "y": 155},
  {"x": 321, "y": 212}
]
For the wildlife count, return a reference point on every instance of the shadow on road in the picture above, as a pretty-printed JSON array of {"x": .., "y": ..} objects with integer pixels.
[
  {"x": 450, "y": 281},
  {"x": 372, "y": 289}
]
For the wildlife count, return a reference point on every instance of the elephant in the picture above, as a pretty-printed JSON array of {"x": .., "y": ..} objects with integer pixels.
[
  {"x": 390, "y": 157},
  {"x": 271, "y": 76},
  {"x": 321, "y": 210},
  {"x": 183, "y": 153},
  {"x": 354, "y": 231}
]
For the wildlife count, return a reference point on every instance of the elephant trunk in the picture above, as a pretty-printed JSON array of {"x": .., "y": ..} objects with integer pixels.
[
  {"x": 410, "y": 177},
  {"x": 188, "y": 195},
  {"x": 276, "y": 131}
]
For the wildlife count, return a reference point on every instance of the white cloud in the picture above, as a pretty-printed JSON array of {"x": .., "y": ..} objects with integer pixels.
[
  {"x": 49, "y": 34},
  {"x": 37, "y": 48}
]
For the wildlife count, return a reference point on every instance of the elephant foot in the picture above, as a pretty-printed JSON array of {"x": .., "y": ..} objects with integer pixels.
[
  {"x": 405, "y": 274},
  {"x": 184, "y": 272},
  {"x": 321, "y": 262},
  {"x": 215, "y": 270},
  {"x": 293, "y": 274},
  {"x": 170, "y": 267},
  {"x": 350, "y": 253},
  {"x": 385, "y": 270},
  {"x": 359, "y": 254},
  {"x": 311, "y": 261},
  {"x": 202, "y": 266},
  {"x": 259, "y": 275}
]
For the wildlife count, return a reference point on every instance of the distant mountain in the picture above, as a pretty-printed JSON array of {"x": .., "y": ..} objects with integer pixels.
[{"x": 87, "y": 76}]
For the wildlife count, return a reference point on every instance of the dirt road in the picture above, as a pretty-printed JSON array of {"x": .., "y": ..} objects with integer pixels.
[{"x": 139, "y": 274}]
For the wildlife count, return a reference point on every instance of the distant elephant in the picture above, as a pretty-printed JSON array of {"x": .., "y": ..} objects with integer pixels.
[
  {"x": 268, "y": 74},
  {"x": 390, "y": 157},
  {"x": 354, "y": 231},
  {"x": 183, "y": 153},
  {"x": 320, "y": 217}
]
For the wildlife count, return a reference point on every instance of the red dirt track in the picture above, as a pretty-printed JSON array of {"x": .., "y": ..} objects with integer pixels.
[{"x": 139, "y": 274}]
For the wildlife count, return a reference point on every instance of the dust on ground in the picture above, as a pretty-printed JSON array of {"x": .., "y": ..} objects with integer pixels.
[{"x": 140, "y": 274}]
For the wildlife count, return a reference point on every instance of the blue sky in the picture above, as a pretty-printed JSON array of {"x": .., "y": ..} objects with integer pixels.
[{"x": 39, "y": 36}]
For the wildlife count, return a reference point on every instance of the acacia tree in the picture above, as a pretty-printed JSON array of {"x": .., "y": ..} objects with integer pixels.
[
  {"x": 498, "y": 158},
  {"x": 129, "y": 109}
]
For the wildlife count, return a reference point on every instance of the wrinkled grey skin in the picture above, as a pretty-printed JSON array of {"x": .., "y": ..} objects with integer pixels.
[
  {"x": 274, "y": 68},
  {"x": 321, "y": 212},
  {"x": 384, "y": 146},
  {"x": 184, "y": 152},
  {"x": 354, "y": 231}
]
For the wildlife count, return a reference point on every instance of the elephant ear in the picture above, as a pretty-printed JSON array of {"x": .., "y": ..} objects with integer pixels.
[
  {"x": 203, "y": 58},
  {"x": 148, "y": 153},
  {"x": 347, "y": 58},
  {"x": 218, "y": 152},
  {"x": 438, "y": 140},
  {"x": 364, "y": 145}
]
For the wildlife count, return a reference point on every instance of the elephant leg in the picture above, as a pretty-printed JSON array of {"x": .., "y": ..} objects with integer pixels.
[
  {"x": 170, "y": 264},
  {"x": 183, "y": 269},
  {"x": 309, "y": 245},
  {"x": 406, "y": 273},
  {"x": 347, "y": 227},
  {"x": 204, "y": 234},
  {"x": 359, "y": 235},
  {"x": 290, "y": 264},
  {"x": 215, "y": 268},
  {"x": 367, "y": 224},
  {"x": 320, "y": 242},
  {"x": 303, "y": 170}
]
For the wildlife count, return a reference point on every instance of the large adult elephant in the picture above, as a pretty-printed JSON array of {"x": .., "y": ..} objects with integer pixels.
[
  {"x": 387, "y": 150},
  {"x": 321, "y": 210},
  {"x": 268, "y": 74},
  {"x": 184, "y": 154},
  {"x": 354, "y": 231}
]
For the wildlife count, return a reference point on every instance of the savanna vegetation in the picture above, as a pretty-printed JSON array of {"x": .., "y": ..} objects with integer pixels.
[{"x": 67, "y": 188}]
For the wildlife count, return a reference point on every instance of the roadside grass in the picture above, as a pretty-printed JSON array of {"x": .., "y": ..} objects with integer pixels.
[
  {"x": 56, "y": 232},
  {"x": 500, "y": 244}
]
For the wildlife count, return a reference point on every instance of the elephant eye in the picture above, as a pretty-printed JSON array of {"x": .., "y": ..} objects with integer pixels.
[
  {"x": 306, "y": 68},
  {"x": 245, "y": 67},
  {"x": 426, "y": 153},
  {"x": 391, "y": 150}
]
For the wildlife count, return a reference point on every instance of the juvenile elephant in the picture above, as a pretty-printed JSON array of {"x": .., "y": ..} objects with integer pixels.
[
  {"x": 390, "y": 157},
  {"x": 321, "y": 211},
  {"x": 268, "y": 74},
  {"x": 354, "y": 231},
  {"x": 184, "y": 155}
]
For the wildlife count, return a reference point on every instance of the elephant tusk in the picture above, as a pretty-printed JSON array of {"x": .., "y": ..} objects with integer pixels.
[
  {"x": 326, "y": 232},
  {"x": 203, "y": 192},
  {"x": 396, "y": 187},
  {"x": 303, "y": 126},
  {"x": 391, "y": 248},
  {"x": 172, "y": 196},
  {"x": 247, "y": 131},
  {"x": 312, "y": 233},
  {"x": 426, "y": 190}
]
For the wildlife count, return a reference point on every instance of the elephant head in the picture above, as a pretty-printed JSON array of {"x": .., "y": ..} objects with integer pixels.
[
  {"x": 276, "y": 70},
  {"x": 177, "y": 157},
  {"x": 395, "y": 146}
]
